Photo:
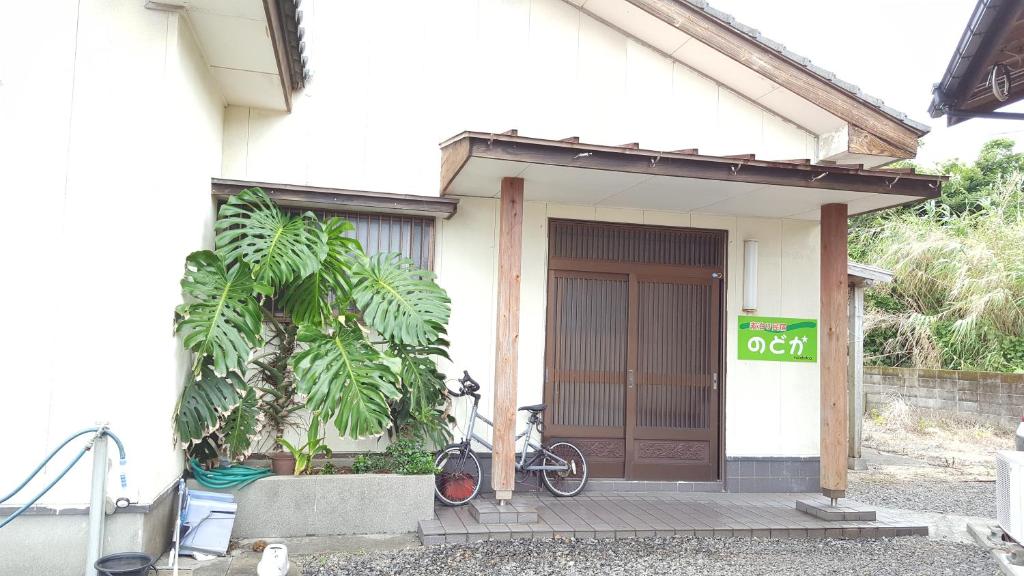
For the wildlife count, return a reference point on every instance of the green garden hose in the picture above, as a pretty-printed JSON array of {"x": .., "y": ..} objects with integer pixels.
[{"x": 226, "y": 477}]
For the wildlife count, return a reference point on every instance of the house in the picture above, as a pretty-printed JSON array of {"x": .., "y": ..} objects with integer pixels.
[{"x": 588, "y": 178}]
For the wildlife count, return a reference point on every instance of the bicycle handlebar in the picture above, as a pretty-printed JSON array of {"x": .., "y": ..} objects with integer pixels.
[
  {"x": 467, "y": 379},
  {"x": 469, "y": 386}
]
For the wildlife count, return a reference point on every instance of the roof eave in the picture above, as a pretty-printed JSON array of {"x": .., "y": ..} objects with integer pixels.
[
  {"x": 457, "y": 151},
  {"x": 751, "y": 37}
]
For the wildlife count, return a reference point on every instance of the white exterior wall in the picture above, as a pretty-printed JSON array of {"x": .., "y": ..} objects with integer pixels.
[
  {"x": 111, "y": 130},
  {"x": 391, "y": 81},
  {"x": 771, "y": 407}
]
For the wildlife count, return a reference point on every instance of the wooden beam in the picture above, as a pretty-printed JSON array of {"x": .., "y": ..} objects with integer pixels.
[
  {"x": 855, "y": 376},
  {"x": 860, "y": 141},
  {"x": 554, "y": 153},
  {"x": 833, "y": 350},
  {"x": 453, "y": 158},
  {"x": 780, "y": 70},
  {"x": 338, "y": 199},
  {"x": 510, "y": 254}
]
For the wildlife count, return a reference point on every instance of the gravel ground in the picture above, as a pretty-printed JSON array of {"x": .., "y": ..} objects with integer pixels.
[
  {"x": 924, "y": 490},
  {"x": 675, "y": 556}
]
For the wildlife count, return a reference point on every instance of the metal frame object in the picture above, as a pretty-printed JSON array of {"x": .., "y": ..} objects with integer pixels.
[
  {"x": 521, "y": 464},
  {"x": 526, "y": 461}
]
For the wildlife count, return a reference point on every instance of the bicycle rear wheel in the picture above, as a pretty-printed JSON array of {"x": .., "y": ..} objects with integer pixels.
[
  {"x": 571, "y": 481},
  {"x": 460, "y": 477}
]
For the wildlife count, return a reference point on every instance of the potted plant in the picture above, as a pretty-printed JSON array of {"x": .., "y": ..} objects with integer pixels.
[
  {"x": 367, "y": 329},
  {"x": 302, "y": 456}
]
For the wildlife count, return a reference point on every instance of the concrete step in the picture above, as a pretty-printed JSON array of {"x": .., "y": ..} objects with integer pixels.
[
  {"x": 844, "y": 510},
  {"x": 488, "y": 511}
]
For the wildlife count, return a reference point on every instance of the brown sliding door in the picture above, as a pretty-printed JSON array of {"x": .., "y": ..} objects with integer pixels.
[
  {"x": 674, "y": 435},
  {"x": 633, "y": 363},
  {"x": 587, "y": 359}
]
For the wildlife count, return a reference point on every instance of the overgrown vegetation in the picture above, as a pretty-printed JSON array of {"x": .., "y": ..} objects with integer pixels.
[
  {"x": 403, "y": 456},
  {"x": 358, "y": 340},
  {"x": 957, "y": 301}
]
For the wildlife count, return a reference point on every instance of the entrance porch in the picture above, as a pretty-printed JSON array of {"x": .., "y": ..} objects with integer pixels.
[
  {"x": 647, "y": 514},
  {"x": 616, "y": 301}
]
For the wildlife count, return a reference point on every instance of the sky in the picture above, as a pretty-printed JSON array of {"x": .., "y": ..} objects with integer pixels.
[{"x": 893, "y": 49}]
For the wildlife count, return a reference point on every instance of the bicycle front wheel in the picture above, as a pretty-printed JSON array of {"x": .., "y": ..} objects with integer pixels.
[
  {"x": 460, "y": 477},
  {"x": 568, "y": 482}
]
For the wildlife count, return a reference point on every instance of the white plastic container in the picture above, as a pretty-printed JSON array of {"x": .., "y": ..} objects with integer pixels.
[{"x": 208, "y": 518}]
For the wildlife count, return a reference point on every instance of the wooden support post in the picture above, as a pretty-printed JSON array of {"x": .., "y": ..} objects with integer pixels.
[
  {"x": 833, "y": 352},
  {"x": 510, "y": 254},
  {"x": 855, "y": 377}
]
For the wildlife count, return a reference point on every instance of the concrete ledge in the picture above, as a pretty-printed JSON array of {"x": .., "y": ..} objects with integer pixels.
[
  {"x": 54, "y": 543},
  {"x": 846, "y": 511},
  {"x": 289, "y": 506}
]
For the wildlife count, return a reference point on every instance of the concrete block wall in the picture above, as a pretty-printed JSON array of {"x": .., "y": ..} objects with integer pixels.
[{"x": 988, "y": 397}]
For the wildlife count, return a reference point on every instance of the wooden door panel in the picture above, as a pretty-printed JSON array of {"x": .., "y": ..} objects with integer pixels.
[
  {"x": 586, "y": 366},
  {"x": 676, "y": 424}
]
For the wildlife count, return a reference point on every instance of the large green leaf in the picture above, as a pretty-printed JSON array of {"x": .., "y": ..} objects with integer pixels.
[
  {"x": 314, "y": 298},
  {"x": 241, "y": 426},
  {"x": 422, "y": 412},
  {"x": 203, "y": 403},
  {"x": 220, "y": 319},
  {"x": 345, "y": 379},
  {"x": 400, "y": 301},
  {"x": 280, "y": 248}
]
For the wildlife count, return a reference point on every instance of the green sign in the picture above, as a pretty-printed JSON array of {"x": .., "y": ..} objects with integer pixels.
[{"x": 778, "y": 339}]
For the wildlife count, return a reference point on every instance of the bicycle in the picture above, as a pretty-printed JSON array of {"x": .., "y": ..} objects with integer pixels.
[{"x": 562, "y": 467}]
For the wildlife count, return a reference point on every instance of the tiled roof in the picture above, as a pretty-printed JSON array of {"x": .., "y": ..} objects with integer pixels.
[{"x": 806, "y": 63}]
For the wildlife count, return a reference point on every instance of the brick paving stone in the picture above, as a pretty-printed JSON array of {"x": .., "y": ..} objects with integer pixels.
[{"x": 649, "y": 514}]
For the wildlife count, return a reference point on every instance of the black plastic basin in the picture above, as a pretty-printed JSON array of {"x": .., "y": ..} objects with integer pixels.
[{"x": 125, "y": 564}]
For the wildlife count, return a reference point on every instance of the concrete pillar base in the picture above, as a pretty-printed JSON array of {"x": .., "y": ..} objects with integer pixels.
[{"x": 856, "y": 464}]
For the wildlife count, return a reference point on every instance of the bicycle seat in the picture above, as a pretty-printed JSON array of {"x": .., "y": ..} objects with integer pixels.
[{"x": 534, "y": 408}]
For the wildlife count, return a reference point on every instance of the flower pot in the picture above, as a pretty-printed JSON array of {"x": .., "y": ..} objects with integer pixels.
[{"x": 282, "y": 463}]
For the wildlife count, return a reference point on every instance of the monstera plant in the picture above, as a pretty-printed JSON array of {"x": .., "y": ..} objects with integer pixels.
[{"x": 367, "y": 328}]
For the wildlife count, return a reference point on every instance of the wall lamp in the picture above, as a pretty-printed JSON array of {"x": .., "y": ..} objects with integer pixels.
[{"x": 749, "y": 275}]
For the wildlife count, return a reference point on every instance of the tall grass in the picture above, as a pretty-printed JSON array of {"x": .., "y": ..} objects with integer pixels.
[{"x": 958, "y": 297}]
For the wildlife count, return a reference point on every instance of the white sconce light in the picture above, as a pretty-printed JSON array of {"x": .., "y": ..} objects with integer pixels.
[{"x": 749, "y": 275}]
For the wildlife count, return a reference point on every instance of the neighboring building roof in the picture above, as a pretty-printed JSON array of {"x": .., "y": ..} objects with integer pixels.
[
  {"x": 806, "y": 63},
  {"x": 867, "y": 274},
  {"x": 994, "y": 35}
]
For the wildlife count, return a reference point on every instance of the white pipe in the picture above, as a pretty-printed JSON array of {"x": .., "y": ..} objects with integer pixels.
[
  {"x": 97, "y": 502},
  {"x": 749, "y": 275}
]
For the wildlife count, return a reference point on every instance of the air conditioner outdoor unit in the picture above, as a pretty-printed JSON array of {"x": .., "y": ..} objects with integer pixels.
[{"x": 1010, "y": 493}]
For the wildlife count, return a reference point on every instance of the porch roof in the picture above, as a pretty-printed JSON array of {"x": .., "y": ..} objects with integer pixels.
[
  {"x": 866, "y": 274},
  {"x": 627, "y": 176}
]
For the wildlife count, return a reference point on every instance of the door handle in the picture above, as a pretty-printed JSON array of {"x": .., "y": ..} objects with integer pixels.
[
  {"x": 630, "y": 378},
  {"x": 714, "y": 381}
]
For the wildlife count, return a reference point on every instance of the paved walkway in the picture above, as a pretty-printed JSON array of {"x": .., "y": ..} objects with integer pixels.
[{"x": 629, "y": 515}]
